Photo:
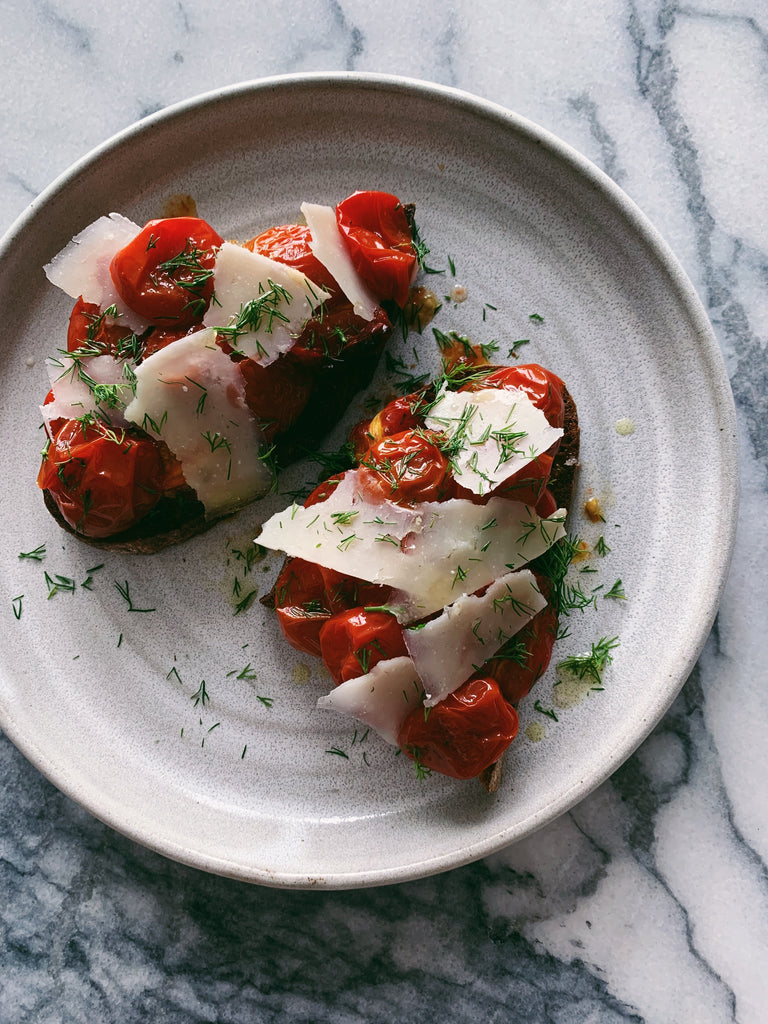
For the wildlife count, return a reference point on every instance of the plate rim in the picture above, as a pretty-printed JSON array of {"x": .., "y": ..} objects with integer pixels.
[{"x": 708, "y": 347}]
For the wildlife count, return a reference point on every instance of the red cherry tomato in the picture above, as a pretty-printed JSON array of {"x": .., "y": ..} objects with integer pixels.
[
  {"x": 275, "y": 394},
  {"x": 544, "y": 389},
  {"x": 88, "y": 328},
  {"x": 300, "y": 604},
  {"x": 290, "y": 244},
  {"x": 160, "y": 337},
  {"x": 103, "y": 481},
  {"x": 352, "y": 642},
  {"x": 524, "y": 658},
  {"x": 546, "y": 505},
  {"x": 324, "y": 490},
  {"x": 464, "y": 733},
  {"x": 335, "y": 330},
  {"x": 345, "y": 592},
  {"x": 165, "y": 273},
  {"x": 405, "y": 468},
  {"x": 377, "y": 235}
]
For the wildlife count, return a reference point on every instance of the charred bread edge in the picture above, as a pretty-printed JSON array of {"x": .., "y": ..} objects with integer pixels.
[{"x": 171, "y": 522}]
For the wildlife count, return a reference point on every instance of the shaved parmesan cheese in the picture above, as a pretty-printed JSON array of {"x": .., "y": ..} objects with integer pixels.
[
  {"x": 497, "y": 432},
  {"x": 328, "y": 246},
  {"x": 82, "y": 267},
  {"x": 451, "y": 548},
  {"x": 270, "y": 300},
  {"x": 448, "y": 649},
  {"x": 74, "y": 398},
  {"x": 191, "y": 395},
  {"x": 380, "y": 699}
]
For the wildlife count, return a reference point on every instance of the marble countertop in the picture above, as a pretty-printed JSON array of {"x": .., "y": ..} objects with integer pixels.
[{"x": 647, "y": 902}]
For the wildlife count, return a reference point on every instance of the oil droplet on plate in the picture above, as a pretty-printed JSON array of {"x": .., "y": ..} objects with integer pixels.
[
  {"x": 536, "y": 732},
  {"x": 625, "y": 427},
  {"x": 301, "y": 673}
]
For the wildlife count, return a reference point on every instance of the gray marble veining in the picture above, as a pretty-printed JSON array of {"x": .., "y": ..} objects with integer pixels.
[{"x": 648, "y": 902}]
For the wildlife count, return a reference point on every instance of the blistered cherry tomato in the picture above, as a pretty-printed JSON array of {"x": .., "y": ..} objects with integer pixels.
[
  {"x": 464, "y": 733},
  {"x": 103, "y": 481},
  {"x": 524, "y": 658},
  {"x": 546, "y": 505},
  {"x": 290, "y": 244},
  {"x": 343, "y": 592},
  {"x": 324, "y": 490},
  {"x": 334, "y": 330},
  {"x": 276, "y": 394},
  {"x": 299, "y": 595},
  {"x": 89, "y": 328},
  {"x": 544, "y": 389},
  {"x": 161, "y": 337},
  {"x": 352, "y": 642},
  {"x": 165, "y": 274},
  {"x": 377, "y": 234},
  {"x": 405, "y": 468}
]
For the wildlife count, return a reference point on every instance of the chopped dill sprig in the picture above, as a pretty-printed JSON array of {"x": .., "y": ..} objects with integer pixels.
[
  {"x": 616, "y": 592},
  {"x": 591, "y": 665},
  {"x": 37, "y": 555}
]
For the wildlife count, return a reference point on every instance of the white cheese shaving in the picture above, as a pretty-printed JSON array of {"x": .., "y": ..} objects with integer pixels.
[
  {"x": 448, "y": 649},
  {"x": 380, "y": 699},
  {"x": 273, "y": 301},
  {"x": 432, "y": 553},
  {"x": 328, "y": 246},
  {"x": 499, "y": 432},
  {"x": 74, "y": 398},
  {"x": 82, "y": 266},
  {"x": 190, "y": 394}
]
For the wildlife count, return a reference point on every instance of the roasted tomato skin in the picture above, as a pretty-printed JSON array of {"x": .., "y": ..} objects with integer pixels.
[
  {"x": 89, "y": 329},
  {"x": 405, "y": 468},
  {"x": 102, "y": 481},
  {"x": 353, "y": 641},
  {"x": 276, "y": 394},
  {"x": 538, "y": 637},
  {"x": 165, "y": 274},
  {"x": 378, "y": 238},
  {"x": 463, "y": 734},
  {"x": 544, "y": 388},
  {"x": 291, "y": 244},
  {"x": 300, "y": 605}
]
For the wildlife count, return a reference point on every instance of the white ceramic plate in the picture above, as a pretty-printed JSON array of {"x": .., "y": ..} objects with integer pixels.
[{"x": 532, "y": 228}]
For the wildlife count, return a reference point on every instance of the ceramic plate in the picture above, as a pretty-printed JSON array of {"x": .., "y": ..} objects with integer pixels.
[{"x": 103, "y": 700}]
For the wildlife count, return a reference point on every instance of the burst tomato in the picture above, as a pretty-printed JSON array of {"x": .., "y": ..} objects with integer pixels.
[
  {"x": 464, "y": 733},
  {"x": 405, "y": 468},
  {"x": 276, "y": 394},
  {"x": 165, "y": 274},
  {"x": 524, "y": 658},
  {"x": 291, "y": 244},
  {"x": 103, "y": 481},
  {"x": 377, "y": 235},
  {"x": 89, "y": 328},
  {"x": 353, "y": 641},
  {"x": 544, "y": 389},
  {"x": 300, "y": 604}
]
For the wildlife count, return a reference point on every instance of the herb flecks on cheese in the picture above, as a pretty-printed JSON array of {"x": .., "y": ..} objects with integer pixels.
[
  {"x": 451, "y": 548},
  {"x": 190, "y": 394},
  {"x": 260, "y": 305},
  {"x": 493, "y": 434},
  {"x": 448, "y": 649}
]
